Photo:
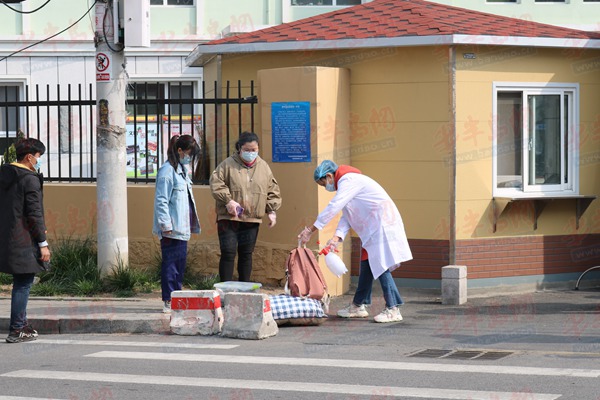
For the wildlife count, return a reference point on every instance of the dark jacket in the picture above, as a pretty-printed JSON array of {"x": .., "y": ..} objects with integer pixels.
[{"x": 22, "y": 225}]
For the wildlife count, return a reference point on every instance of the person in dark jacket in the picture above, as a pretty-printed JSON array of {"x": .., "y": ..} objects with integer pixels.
[{"x": 23, "y": 247}]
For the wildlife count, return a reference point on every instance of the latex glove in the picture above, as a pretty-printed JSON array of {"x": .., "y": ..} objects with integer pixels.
[
  {"x": 232, "y": 207},
  {"x": 333, "y": 243},
  {"x": 304, "y": 236},
  {"x": 272, "y": 219}
]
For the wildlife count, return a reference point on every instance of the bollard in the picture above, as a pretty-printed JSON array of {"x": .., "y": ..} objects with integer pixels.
[
  {"x": 196, "y": 312},
  {"x": 454, "y": 284},
  {"x": 248, "y": 316}
]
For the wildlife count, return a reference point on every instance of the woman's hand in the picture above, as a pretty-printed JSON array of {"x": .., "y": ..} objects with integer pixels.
[
  {"x": 232, "y": 207},
  {"x": 272, "y": 219}
]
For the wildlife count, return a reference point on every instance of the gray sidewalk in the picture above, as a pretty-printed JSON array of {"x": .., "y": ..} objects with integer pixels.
[{"x": 553, "y": 312}]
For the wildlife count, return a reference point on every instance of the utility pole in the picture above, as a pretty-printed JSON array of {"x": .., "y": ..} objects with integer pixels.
[{"x": 111, "y": 86}]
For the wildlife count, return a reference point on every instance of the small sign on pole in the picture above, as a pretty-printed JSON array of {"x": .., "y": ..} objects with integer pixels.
[{"x": 102, "y": 64}]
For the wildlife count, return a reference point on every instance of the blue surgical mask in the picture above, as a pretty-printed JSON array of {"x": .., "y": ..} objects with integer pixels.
[
  {"x": 330, "y": 187},
  {"x": 39, "y": 163},
  {"x": 186, "y": 160},
  {"x": 249, "y": 156}
]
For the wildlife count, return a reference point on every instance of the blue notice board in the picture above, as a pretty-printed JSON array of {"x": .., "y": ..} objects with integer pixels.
[{"x": 290, "y": 123}]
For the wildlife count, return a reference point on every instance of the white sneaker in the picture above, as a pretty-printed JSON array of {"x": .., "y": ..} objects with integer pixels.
[
  {"x": 167, "y": 307},
  {"x": 353, "y": 311},
  {"x": 389, "y": 315}
]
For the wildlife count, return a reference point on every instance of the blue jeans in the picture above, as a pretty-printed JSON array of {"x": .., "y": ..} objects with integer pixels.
[
  {"x": 20, "y": 296},
  {"x": 365, "y": 287},
  {"x": 174, "y": 255}
]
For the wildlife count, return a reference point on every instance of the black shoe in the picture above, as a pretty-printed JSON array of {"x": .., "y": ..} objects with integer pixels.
[
  {"x": 27, "y": 328},
  {"x": 21, "y": 336}
]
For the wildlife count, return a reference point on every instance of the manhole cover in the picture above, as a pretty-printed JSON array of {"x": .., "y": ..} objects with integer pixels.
[
  {"x": 462, "y": 354},
  {"x": 494, "y": 355},
  {"x": 431, "y": 353}
]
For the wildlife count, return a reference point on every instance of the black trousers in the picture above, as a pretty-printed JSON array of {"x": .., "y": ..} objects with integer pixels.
[{"x": 236, "y": 237}]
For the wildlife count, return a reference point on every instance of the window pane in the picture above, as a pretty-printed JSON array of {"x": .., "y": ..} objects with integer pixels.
[
  {"x": 544, "y": 139},
  {"x": 180, "y": 2},
  {"x": 8, "y": 115},
  {"x": 157, "y": 2},
  {"x": 150, "y": 91},
  {"x": 347, "y": 2},
  {"x": 566, "y": 137},
  {"x": 509, "y": 140},
  {"x": 184, "y": 92}
]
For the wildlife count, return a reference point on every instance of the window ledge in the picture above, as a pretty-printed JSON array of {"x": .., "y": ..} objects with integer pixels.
[{"x": 582, "y": 202}]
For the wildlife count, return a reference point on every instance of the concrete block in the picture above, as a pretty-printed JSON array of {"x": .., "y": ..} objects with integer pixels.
[
  {"x": 454, "y": 284},
  {"x": 196, "y": 312},
  {"x": 454, "y": 271},
  {"x": 248, "y": 316}
]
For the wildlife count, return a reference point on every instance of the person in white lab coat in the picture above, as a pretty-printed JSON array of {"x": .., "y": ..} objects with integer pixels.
[{"x": 369, "y": 210}]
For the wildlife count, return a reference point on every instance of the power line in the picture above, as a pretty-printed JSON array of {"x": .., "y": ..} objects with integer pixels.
[
  {"x": 25, "y": 12},
  {"x": 50, "y": 37}
]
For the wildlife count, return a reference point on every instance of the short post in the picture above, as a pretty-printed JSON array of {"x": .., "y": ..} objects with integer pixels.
[{"x": 454, "y": 284}]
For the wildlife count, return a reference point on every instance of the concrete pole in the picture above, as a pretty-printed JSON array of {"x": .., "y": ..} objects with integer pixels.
[{"x": 111, "y": 84}]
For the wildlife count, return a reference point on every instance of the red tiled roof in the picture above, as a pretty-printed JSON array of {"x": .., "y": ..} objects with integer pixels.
[{"x": 403, "y": 18}]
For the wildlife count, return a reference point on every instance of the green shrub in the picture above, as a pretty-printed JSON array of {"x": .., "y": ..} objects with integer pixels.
[
  {"x": 6, "y": 279},
  {"x": 200, "y": 281},
  {"x": 86, "y": 287},
  {"x": 45, "y": 289}
]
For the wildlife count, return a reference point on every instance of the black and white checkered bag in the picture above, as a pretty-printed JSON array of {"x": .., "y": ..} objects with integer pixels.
[{"x": 288, "y": 307}]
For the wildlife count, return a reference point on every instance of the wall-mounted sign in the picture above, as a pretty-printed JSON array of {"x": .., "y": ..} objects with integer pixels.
[{"x": 290, "y": 124}]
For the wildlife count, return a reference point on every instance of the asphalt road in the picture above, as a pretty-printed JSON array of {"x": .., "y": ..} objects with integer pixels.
[{"x": 520, "y": 347}]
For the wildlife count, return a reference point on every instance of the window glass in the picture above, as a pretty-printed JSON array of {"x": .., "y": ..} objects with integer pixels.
[
  {"x": 153, "y": 91},
  {"x": 510, "y": 139},
  {"x": 8, "y": 115},
  {"x": 544, "y": 144},
  {"x": 501, "y": 1},
  {"x": 172, "y": 2}
]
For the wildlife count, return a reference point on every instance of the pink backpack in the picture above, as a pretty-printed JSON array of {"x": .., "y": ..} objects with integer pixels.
[{"x": 304, "y": 276}]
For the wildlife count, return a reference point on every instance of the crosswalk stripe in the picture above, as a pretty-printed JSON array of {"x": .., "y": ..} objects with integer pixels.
[
  {"x": 135, "y": 344},
  {"x": 23, "y": 398},
  {"x": 346, "y": 363},
  {"x": 333, "y": 388}
]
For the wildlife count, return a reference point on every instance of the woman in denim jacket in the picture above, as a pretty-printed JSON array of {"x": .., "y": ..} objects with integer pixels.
[{"x": 175, "y": 216}]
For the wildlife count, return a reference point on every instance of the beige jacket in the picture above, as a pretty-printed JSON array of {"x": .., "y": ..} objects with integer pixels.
[{"x": 253, "y": 187}]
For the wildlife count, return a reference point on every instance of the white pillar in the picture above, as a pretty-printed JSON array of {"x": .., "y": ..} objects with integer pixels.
[{"x": 111, "y": 84}]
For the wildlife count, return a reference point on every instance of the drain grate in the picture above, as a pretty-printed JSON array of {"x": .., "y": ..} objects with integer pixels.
[{"x": 462, "y": 354}]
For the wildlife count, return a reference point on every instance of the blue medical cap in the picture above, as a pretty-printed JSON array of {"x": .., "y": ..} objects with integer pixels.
[{"x": 326, "y": 167}]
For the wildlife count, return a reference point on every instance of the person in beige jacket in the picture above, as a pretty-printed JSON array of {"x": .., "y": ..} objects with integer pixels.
[{"x": 245, "y": 190}]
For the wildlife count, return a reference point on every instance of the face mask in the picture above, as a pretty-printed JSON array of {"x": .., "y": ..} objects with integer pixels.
[
  {"x": 330, "y": 187},
  {"x": 185, "y": 160},
  {"x": 249, "y": 156},
  {"x": 38, "y": 165}
]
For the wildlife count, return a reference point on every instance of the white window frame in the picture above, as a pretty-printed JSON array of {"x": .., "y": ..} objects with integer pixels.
[
  {"x": 21, "y": 84},
  {"x": 333, "y": 4},
  {"x": 534, "y": 191}
]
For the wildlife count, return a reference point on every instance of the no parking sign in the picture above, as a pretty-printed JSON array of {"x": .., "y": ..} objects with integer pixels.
[{"x": 102, "y": 64}]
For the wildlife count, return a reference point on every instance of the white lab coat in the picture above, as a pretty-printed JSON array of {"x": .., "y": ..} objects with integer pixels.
[{"x": 369, "y": 210}]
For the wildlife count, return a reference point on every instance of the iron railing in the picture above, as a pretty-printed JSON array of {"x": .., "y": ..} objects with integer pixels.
[{"x": 67, "y": 127}]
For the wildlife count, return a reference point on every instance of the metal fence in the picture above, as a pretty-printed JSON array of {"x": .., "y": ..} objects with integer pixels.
[{"x": 156, "y": 111}]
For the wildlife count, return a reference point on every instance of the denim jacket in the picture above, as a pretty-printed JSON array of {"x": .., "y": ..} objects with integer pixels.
[{"x": 172, "y": 204}]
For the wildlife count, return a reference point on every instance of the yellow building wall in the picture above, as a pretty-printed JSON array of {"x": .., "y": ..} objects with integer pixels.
[
  {"x": 474, "y": 81},
  {"x": 399, "y": 122}
]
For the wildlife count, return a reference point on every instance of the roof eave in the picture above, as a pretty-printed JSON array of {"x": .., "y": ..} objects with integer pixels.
[{"x": 203, "y": 53}]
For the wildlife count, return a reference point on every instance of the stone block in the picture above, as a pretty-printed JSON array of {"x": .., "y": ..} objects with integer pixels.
[
  {"x": 454, "y": 284},
  {"x": 454, "y": 271},
  {"x": 248, "y": 316},
  {"x": 196, "y": 312}
]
